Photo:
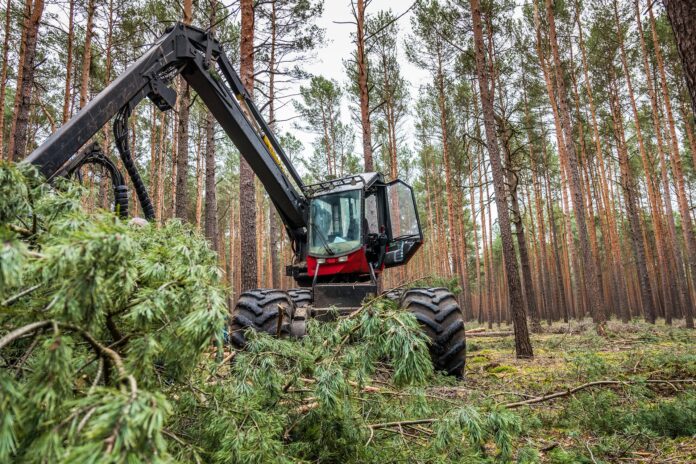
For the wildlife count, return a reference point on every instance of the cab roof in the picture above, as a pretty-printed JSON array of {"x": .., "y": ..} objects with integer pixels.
[{"x": 356, "y": 181}]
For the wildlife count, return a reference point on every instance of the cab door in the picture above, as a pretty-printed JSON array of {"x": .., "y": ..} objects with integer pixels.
[{"x": 405, "y": 234}]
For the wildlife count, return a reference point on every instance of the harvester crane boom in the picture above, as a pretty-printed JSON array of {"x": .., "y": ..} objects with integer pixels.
[
  {"x": 344, "y": 231},
  {"x": 200, "y": 60}
]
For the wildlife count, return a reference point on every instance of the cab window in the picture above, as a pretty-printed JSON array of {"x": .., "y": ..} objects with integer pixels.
[{"x": 335, "y": 226}]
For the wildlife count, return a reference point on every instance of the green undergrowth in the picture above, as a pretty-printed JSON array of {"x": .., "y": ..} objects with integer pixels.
[{"x": 110, "y": 352}]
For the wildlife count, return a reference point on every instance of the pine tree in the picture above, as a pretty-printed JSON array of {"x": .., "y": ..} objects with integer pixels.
[
  {"x": 247, "y": 203},
  {"x": 17, "y": 143},
  {"x": 523, "y": 346}
]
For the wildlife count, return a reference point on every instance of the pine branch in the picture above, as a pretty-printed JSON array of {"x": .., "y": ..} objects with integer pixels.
[
  {"x": 563, "y": 393},
  {"x": 13, "y": 299}
]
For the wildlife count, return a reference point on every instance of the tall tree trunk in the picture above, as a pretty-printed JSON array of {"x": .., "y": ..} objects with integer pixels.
[
  {"x": 589, "y": 265},
  {"x": 363, "y": 89},
  {"x": 677, "y": 282},
  {"x": 87, "y": 55},
  {"x": 668, "y": 280},
  {"x": 563, "y": 306},
  {"x": 523, "y": 346},
  {"x": 275, "y": 231},
  {"x": 569, "y": 248},
  {"x": 682, "y": 14},
  {"x": 200, "y": 174},
  {"x": 247, "y": 192},
  {"x": 476, "y": 312},
  {"x": 107, "y": 72},
  {"x": 69, "y": 62},
  {"x": 182, "y": 145},
  {"x": 628, "y": 187},
  {"x": 211, "y": 221},
  {"x": 17, "y": 144},
  {"x": 687, "y": 224},
  {"x": 161, "y": 148},
  {"x": 449, "y": 190},
  {"x": 3, "y": 74},
  {"x": 610, "y": 222},
  {"x": 629, "y": 184},
  {"x": 513, "y": 183}
]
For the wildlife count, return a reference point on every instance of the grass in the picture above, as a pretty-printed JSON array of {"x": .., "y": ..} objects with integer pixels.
[{"x": 631, "y": 422}]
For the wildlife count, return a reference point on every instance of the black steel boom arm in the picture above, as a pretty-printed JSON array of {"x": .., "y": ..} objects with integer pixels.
[{"x": 200, "y": 60}]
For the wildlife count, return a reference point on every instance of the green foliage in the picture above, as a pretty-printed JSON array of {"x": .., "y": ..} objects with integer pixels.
[
  {"x": 107, "y": 356},
  {"x": 674, "y": 418},
  {"x": 115, "y": 308},
  {"x": 115, "y": 364}
]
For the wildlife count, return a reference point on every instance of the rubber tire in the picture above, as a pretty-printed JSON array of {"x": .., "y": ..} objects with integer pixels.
[
  {"x": 259, "y": 309},
  {"x": 438, "y": 312},
  {"x": 301, "y": 296}
]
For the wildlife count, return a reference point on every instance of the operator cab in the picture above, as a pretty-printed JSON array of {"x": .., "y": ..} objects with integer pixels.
[{"x": 358, "y": 225}]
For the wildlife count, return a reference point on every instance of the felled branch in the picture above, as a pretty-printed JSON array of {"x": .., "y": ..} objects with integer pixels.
[
  {"x": 489, "y": 334},
  {"x": 568, "y": 392},
  {"x": 539, "y": 399},
  {"x": 104, "y": 351},
  {"x": 13, "y": 299},
  {"x": 21, "y": 331}
]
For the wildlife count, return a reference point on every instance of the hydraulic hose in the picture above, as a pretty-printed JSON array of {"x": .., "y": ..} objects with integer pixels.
[
  {"x": 121, "y": 137},
  {"x": 95, "y": 155}
]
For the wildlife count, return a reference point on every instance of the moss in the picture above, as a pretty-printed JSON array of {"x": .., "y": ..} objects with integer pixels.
[{"x": 501, "y": 369}]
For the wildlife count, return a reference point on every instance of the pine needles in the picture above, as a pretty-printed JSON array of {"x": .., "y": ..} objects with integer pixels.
[
  {"x": 106, "y": 355},
  {"x": 106, "y": 351}
]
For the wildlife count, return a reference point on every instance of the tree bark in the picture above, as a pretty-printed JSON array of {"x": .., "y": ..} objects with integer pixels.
[
  {"x": 211, "y": 221},
  {"x": 87, "y": 55},
  {"x": 629, "y": 184},
  {"x": 687, "y": 224},
  {"x": 682, "y": 14},
  {"x": 211, "y": 209},
  {"x": 275, "y": 231},
  {"x": 361, "y": 56},
  {"x": 449, "y": 190},
  {"x": 17, "y": 144},
  {"x": 247, "y": 192},
  {"x": 634, "y": 229},
  {"x": 182, "y": 153},
  {"x": 589, "y": 265},
  {"x": 513, "y": 183},
  {"x": 69, "y": 62},
  {"x": 200, "y": 175},
  {"x": 523, "y": 346},
  {"x": 3, "y": 75},
  {"x": 182, "y": 148}
]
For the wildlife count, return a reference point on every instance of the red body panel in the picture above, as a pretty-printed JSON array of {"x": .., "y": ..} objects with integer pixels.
[{"x": 356, "y": 263}]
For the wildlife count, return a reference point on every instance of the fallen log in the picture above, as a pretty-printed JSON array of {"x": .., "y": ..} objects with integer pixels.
[
  {"x": 489, "y": 334},
  {"x": 476, "y": 330}
]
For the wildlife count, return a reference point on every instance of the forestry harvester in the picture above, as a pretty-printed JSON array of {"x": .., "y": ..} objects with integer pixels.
[{"x": 344, "y": 232}]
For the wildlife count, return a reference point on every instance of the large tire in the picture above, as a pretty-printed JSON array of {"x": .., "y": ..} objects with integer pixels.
[
  {"x": 438, "y": 312},
  {"x": 259, "y": 309},
  {"x": 301, "y": 296}
]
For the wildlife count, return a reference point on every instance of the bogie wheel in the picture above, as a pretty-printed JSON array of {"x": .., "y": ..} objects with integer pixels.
[
  {"x": 301, "y": 296},
  {"x": 263, "y": 310},
  {"x": 393, "y": 295},
  {"x": 438, "y": 312}
]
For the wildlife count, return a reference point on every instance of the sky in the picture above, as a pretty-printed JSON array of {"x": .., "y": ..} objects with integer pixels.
[{"x": 328, "y": 62}]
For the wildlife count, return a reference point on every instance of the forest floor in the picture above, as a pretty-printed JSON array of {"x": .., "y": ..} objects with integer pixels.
[{"x": 648, "y": 415}]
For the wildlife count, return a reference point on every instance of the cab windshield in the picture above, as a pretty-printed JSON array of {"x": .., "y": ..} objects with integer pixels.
[{"x": 335, "y": 223}]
